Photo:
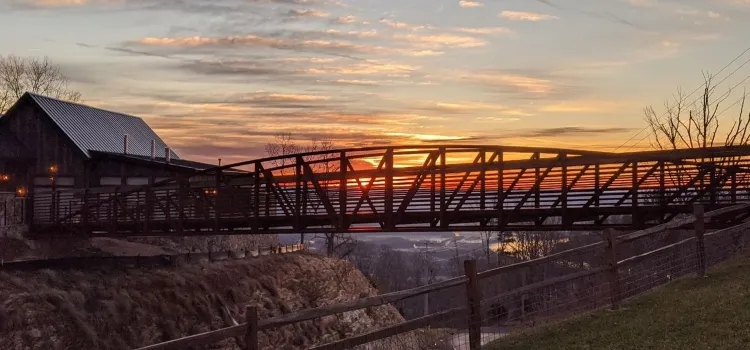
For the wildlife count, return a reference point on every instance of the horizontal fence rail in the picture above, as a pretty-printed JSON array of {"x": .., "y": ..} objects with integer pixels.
[
  {"x": 120, "y": 261},
  {"x": 410, "y": 189},
  {"x": 591, "y": 276}
]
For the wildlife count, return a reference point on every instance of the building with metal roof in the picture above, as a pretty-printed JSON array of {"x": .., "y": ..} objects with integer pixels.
[{"x": 45, "y": 142}]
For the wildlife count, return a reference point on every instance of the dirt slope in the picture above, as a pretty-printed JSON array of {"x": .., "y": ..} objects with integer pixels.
[{"x": 129, "y": 308}]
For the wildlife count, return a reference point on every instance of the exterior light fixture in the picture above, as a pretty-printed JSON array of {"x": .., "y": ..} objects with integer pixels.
[
  {"x": 53, "y": 169},
  {"x": 4, "y": 177},
  {"x": 21, "y": 192}
]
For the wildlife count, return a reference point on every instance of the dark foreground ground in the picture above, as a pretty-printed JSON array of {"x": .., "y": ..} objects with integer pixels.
[{"x": 691, "y": 313}]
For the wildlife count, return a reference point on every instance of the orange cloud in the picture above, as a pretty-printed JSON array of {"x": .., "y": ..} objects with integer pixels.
[
  {"x": 525, "y": 16},
  {"x": 68, "y": 3},
  {"x": 295, "y": 44},
  {"x": 353, "y": 33},
  {"x": 306, "y": 13},
  {"x": 442, "y": 40},
  {"x": 427, "y": 137},
  {"x": 402, "y": 25},
  {"x": 56, "y": 3},
  {"x": 484, "y": 31},
  {"x": 498, "y": 119},
  {"x": 584, "y": 107},
  {"x": 464, "y": 3},
  {"x": 346, "y": 19},
  {"x": 371, "y": 68},
  {"x": 524, "y": 83},
  {"x": 289, "y": 97}
]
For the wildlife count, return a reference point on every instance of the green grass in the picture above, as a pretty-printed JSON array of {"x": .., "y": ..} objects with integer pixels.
[{"x": 690, "y": 313}]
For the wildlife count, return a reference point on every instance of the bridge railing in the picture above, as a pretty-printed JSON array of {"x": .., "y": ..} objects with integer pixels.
[
  {"x": 480, "y": 307},
  {"x": 422, "y": 189}
]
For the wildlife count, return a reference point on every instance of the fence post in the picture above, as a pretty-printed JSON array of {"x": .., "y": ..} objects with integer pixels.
[
  {"x": 614, "y": 277},
  {"x": 251, "y": 337},
  {"x": 474, "y": 298},
  {"x": 700, "y": 230},
  {"x": 85, "y": 211}
]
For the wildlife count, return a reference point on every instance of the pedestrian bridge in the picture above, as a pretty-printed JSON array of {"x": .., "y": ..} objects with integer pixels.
[{"x": 411, "y": 189}]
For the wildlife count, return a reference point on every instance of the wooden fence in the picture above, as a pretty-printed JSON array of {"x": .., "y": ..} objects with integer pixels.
[
  {"x": 138, "y": 261},
  {"x": 612, "y": 269}
]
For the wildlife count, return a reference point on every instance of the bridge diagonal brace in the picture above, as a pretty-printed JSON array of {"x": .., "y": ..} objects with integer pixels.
[
  {"x": 505, "y": 193},
  {"x": 369, "y": 201},
  {"x": 310, "y": 176},
  {"x": 511, "y": 187},
  {"x": 366, "y": 190},
  {"x": 640, "y": 182},
  {"x": 129, "y": 213},
  {"x": 362, "y": 187},
  {"x": 462, "y": 182},
  {"x": 474, "y": 184},
  {"x": 284, "y": 201},
  {"x": 537, "y": 183},
  {"x": 598, "y": 192},
  {"x": 718, "y": 181},
  {"x": 416, "y": 184},
  {"x": 164, "y": 210},
  {"x": 572, "y": 184}
]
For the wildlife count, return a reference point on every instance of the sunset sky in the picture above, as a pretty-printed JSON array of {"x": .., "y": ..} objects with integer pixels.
[{"x": 218, "y": 78}]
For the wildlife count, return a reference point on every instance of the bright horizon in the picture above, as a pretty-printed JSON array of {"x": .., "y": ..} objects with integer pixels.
[{"x": 217, "y": 79}]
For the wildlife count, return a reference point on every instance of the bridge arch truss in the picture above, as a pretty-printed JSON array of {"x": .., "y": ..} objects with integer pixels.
[{"x": 411, "y": 189}]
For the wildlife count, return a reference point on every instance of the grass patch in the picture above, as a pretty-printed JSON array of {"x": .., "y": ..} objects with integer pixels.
[{"x": 690, "y": 313}]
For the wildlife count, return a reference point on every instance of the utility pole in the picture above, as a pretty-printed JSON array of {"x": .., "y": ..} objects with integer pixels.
[
  {"x": 458, "y": 262},
  {"x": 426, "y": 297}
]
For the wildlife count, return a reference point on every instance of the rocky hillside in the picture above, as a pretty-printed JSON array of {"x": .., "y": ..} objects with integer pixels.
[{"x": 123, "y": 309}]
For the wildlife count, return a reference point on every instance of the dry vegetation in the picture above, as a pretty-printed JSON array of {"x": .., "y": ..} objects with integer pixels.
[{"x": 122, "y": 309}]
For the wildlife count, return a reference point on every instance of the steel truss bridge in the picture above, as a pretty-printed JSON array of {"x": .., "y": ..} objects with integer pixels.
[{"x": 411, "y": 189}]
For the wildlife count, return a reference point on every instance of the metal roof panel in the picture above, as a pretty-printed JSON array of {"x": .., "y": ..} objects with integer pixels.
[{"x": 94, "y": 129}]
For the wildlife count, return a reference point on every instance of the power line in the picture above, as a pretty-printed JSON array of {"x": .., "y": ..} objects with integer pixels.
[
  {"x": 687, "y": 96},
  {"x": 723, "y": 98}
]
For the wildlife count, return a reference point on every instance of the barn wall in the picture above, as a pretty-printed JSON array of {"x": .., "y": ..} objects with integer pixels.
[{"x": 44, "y": 141}]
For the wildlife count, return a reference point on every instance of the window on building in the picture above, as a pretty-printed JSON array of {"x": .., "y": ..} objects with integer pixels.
[
  {"x": 63, "y": 181},
  {"x": 137, "y": 181},
  {"x": 110, "y": 181}
]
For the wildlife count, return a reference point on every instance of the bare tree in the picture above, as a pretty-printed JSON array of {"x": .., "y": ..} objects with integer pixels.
[
  {"x": 283, "y": 145},
  {"x": 364, "y": 257},
  {"x": 340, "y": 244},
  {"x": 696, "y": 124},
  {"x": 19, "y": 75},
  {"x": 530, "y": 245},
  {"x": 700, "y": 127},
  {"x": 486, "y": 236},
  {"x": 505, "y": 242},
  {"x": 392, "y": 270},
  {"x": 319, "y": 157}
]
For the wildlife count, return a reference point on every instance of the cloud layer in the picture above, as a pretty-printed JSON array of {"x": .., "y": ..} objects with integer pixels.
[{"x": 222, "y": 77}]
